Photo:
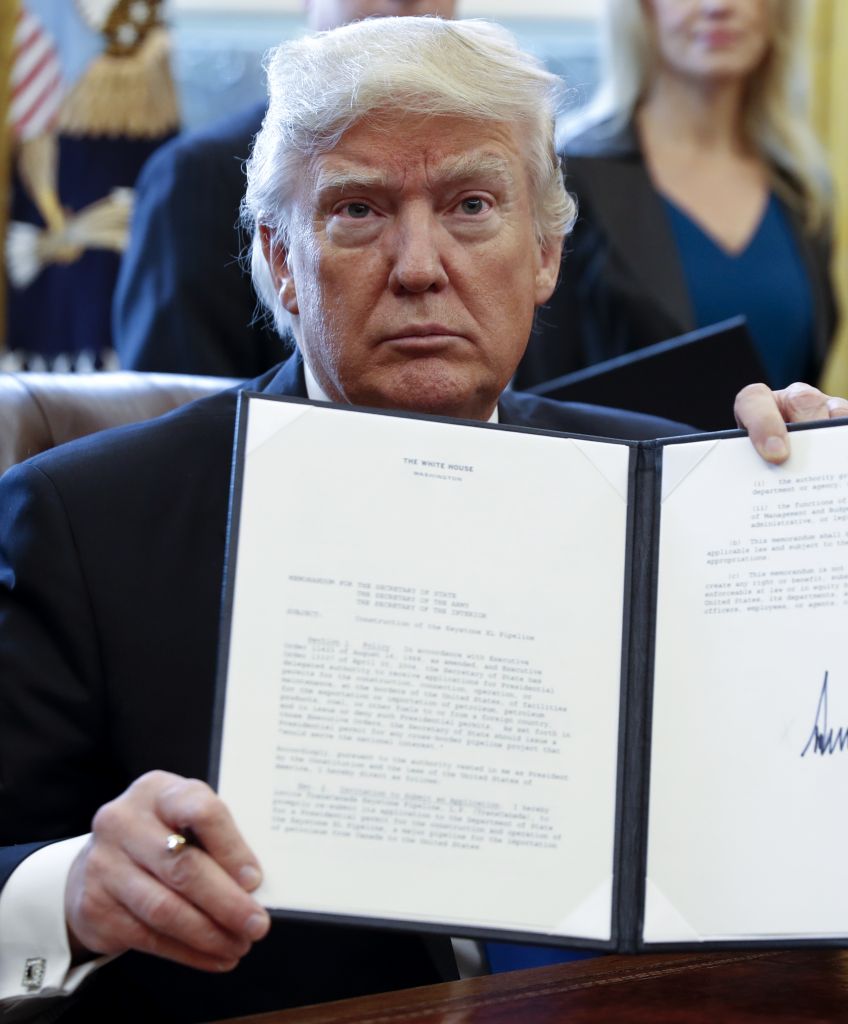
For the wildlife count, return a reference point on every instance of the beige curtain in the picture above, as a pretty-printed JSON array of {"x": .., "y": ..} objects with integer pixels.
[
  {"x": 8, "y": 16},
  {"x": 829, "y": 63}
]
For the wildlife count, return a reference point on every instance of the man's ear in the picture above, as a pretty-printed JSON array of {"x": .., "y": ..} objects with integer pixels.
[
  {"x": 277, "y": 257},
  {"x": 547, "y": 271}
]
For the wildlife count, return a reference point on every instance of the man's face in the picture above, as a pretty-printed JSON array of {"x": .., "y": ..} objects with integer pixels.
[
  {"x": 413, "y": 269},
  {"x": 324, "y": 14}
]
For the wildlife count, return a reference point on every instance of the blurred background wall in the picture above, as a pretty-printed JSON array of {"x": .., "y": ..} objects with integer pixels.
[
  {"x": 829, "y": 51},
  {"x": 218, "y": 45}
]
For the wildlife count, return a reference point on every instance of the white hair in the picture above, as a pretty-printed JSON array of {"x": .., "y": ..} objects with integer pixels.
[
  {"x": 775, "y": 121},
  {"x": 321, "y": 85}
]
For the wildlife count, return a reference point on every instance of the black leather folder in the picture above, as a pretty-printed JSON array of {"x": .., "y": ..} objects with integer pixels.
[{"x": 692, "y": 378}]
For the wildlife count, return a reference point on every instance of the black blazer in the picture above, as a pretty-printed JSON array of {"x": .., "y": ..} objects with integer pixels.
[
  {"x": 182, "y": 302},
  {"x": 622, "y": 285},
  {"x": 111, "y": 559}
]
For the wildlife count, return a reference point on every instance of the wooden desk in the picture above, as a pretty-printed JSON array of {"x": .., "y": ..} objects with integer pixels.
[{"x": 715, "y": 988}]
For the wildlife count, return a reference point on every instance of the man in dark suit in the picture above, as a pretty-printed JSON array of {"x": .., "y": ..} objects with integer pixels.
[
  {"x": 183, "y": 303},
  {"x": 409, "y": 215}
]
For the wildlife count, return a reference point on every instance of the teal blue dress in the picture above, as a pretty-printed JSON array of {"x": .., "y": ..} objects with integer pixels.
[{"x": 766, "y": 281}]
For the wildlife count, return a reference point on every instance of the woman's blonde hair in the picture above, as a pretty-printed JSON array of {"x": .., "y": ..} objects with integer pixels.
[{"x": 775, "y": 122}]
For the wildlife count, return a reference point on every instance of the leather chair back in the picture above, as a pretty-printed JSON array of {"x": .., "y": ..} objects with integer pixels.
[{"x": 41, "y": 410}]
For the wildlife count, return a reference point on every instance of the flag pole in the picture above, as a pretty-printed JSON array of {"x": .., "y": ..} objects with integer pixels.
[{"x": 8, "y": 18}]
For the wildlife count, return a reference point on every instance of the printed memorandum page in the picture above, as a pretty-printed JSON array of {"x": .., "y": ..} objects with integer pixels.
[
  {"x": 423, "y": 674},
  {"x": 747, "y": 828}
]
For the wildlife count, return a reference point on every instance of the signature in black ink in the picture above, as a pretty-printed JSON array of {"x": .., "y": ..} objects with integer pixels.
[{"x": 823, "y": 740}]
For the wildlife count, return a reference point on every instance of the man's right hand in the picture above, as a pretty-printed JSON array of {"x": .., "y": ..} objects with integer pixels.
[{"x": 127, "y": 890}]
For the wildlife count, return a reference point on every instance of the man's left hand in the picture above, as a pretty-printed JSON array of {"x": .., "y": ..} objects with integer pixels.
[{"x": 765, "y": 413}]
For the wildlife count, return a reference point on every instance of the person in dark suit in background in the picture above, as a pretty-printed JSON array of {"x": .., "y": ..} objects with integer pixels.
[
  {"x": 183, "y": 303},
  {"x": 702, "y": 193},
  {"x": 407, "y": 213}
]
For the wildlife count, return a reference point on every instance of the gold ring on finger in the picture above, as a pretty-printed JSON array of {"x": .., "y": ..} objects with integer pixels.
[{"x": 176, "y": 842}]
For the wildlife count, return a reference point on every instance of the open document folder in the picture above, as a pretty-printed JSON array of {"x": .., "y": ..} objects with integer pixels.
[{"x": 512, "y": 684}]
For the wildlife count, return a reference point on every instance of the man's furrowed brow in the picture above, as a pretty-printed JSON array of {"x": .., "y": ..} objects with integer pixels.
[
  {"x": 342, "y": 180},
  {"x": 478, "y": 168}
]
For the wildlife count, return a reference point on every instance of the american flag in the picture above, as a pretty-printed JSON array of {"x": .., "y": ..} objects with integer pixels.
[{"x": 36, "y": 78}]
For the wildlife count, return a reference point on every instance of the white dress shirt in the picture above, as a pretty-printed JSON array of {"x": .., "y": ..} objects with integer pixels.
[{"x": 35, "y": 955}]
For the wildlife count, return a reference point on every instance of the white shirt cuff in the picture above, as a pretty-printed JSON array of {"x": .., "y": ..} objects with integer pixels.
[{"x": 35, "y": 956}]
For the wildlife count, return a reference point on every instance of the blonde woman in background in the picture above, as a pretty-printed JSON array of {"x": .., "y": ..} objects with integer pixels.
[{"x": 702, "y": 192}]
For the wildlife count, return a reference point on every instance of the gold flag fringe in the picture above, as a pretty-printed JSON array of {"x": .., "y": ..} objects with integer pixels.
[{"x": 131, "y": 96}]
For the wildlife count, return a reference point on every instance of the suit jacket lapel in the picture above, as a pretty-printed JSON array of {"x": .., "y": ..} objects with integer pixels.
[
  {"x": 289, "y": 378},
  {"x": 610, "y": 176},
  {"x": 815, "y": 255}
]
